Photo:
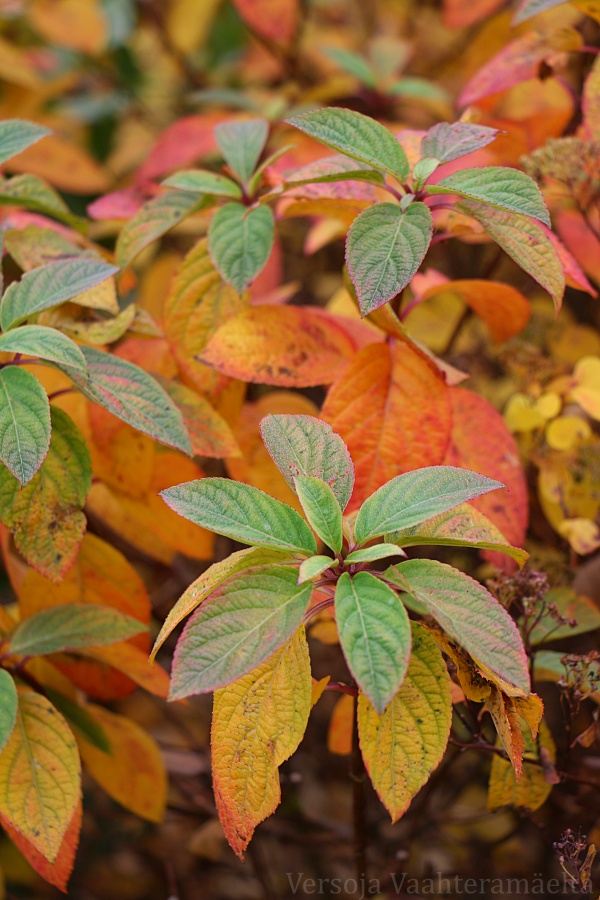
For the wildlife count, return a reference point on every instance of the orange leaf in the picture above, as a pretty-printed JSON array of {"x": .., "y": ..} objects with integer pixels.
[
  {"x": 95, "y": 671},
  {"x": 506, "y": 719},
  {"x": 59, "y": 871},
  {"x": 276, "y": 20},
  {"x": 590, "y": 103},
  {"x": 77, "y": 24},
  {"x": 580, "y": 240},
  {"x": 391, "y": 406},
  {"x": 339, "y": 736},
  {"x": 481, "y": 441},
  {"x": 197, "y": 301},
  {"x": 133, "y": 773},
  {"x": 288, "y": 346},
  {"x": 65, "y": 165},
  {"x": 148, "y": 524},
  {"x": 504, "y": 310}
]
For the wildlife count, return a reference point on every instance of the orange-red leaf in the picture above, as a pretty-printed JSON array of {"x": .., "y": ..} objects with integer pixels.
[
  {"x": 59, "y": 871},
  {"x": 287, "y": 345},
  {"x": 391, "y": 406},
  {"x": 504, "y": 310},
  {"x": 516, "y": 62},
  {"x": 481, "y": 442},
  {"x": 273, "y": 19}
]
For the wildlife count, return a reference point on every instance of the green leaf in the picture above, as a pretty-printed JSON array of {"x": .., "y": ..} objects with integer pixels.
[
  {"x": 353, "y": 64},
  {"x": 422, "y": 170},
  {"x": 18, "y": 134},
  {"x": 8, "y": 706},
  {"x": 462, "y": 526},
  {"x": 240, "y": 242},
  {"x": 30, "y": 192},
  {"x": 419, "y": 88},
  {"x": 153, "y": 220},
  {"x": 375, "y": 636},
  {"x": 321, "y": 509},
  {"x": 448, "y": 141},
  {"x": 24, "y": 422},
  {"x": 46, "y": 516},
  {"x": 241, "y": 144},
  {"x": 498, "y": 186},
  {"x": 200, "y": 589},
  {"x": 204, "y": 183},
  {"x": 471, "y": 616},
  {"x": 246, "y": 619},
  {"x": 314, "y": 566},
  {"x": 71, "y": 627},
  {"x": 384, "y": 248},
  {"x": 371, "y": 554},
  {"x": 416, "y": 496},
  {"x": 45, "y": 343},
  {"x": 241, "y": 512},
  {"x": 50, "y": 285},
  {"x": 403, "y": 746},
  {"x": 305, "y": 445},
  {"x": 77, "y": 716},
  {"x": 529, "y": 8},
  {"x": 356, "y": 136},
  {"x": 132, "y": 395},
  {"x": 526, "y": 242}
]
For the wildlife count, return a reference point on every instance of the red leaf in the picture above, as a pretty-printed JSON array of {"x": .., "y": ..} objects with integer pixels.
[
  {"x": 181, "y": 144},
  {"x": 273, "y": 19}
]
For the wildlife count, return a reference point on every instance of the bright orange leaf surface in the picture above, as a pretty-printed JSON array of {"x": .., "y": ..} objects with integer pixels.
[{"x": 392, "y": 409}]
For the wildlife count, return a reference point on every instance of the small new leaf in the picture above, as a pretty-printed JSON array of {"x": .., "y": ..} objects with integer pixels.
[
  {"x": 24, "y": 423},
  {"x": 241, "y": 512},
  {"x": 415, "y": 497},
  {"x": 240, "y": 242},
  {"x": 204, "y": 183},
  {"x": 356, "y": 136},
  {"x": 375, "y": 636},
  {"x": 314, "y": 566},
  {"x": 498, "y": 186},
  {"x": 71, "y": 627},
  {"x": 246, "y": 619},
  {"x": 50, "y": 285},
  {"x": 321, "y": 509},
  {"x": 241, "y": 144},
  {"x": 385, "y": 247},
  {"x": 377, "y": 551}
]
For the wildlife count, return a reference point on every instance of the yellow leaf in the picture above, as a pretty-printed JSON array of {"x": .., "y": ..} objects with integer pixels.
[
  {"x": 531, "y": 709},
  {"x": 188, "y": 22},
  {"x": 566, "y": 431},
  {"x": 318, "y": 689},
  {"x": 40, "y": 775},
  {"x": 133, "y": 773},
  {"x": 257, "y": 724},
  {"x": 532, "y": 789},
  {"x": 589, "y": 7},
  {"x": 582, "y": 534},
  {"x": 474, "y": 685},
  {"x": 586, "y": 390},
  {"x": 403, "y": 746}
]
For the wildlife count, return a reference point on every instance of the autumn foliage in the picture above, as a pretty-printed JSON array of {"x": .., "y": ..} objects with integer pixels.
[{"x": 299, "y": 351}]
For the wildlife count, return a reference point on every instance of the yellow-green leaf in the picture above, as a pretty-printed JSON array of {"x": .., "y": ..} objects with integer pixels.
[
  {"x": 532, "y": 788},
  {"x": 404, "y": 745},
  {"x": 46, "y": 516},
  {"x": 258, "y": 723},
  {"x": 8, "y": 706},
  {"x": 40, "y": 775}
]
